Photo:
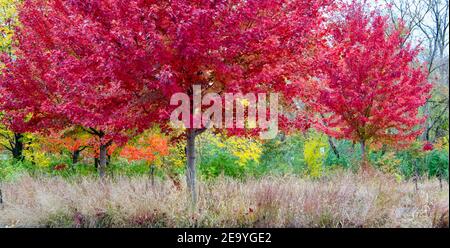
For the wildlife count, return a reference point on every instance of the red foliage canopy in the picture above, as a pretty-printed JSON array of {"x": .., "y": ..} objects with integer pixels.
[
  {"x": 113, "y": 65},
  {"x": 370, "y": 88},
  {"x": 87, "y": 63}
]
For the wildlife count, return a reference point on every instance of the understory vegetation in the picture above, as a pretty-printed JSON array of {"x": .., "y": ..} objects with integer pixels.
[
  {"x": 243, "y": 183},
  {"x": 306, "y": 155}
]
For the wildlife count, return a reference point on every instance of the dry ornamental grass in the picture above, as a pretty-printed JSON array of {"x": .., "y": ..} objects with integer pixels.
[{"x": 342, "y": 200}]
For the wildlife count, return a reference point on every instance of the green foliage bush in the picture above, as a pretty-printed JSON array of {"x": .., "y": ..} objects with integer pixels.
[
  {"x": 233, "y": 157},
  {"x": 437, "y": 164},
  {"x": 11, "y": 170},
  {"x": 349, "y": 155},
  {"x": 283, "y": 155}
]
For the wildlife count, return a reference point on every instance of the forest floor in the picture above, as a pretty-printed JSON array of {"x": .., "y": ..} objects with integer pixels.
[{"x": 341, "y": 200}]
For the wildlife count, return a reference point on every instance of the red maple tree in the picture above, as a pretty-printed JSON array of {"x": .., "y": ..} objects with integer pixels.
[
  {"x": 111, "y": 65},
  {"x": 86, "y": 63},
  {"x": 238, "y": 46},
  {"x": 371, "y": 86}
]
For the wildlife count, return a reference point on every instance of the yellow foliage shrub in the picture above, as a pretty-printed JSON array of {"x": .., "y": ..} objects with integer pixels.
[
  {"x": 314, "y": 153},
  {"x": 34, "y": 151},
  {"x": 389, "y": 164}
]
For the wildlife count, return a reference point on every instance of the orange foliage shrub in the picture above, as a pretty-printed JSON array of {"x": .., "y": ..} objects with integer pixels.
[
  {"x": 56, "y": 143},
  {"x": 146, "y": 148}
]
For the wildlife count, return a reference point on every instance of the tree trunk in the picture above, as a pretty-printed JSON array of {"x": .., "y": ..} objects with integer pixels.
[
  {"x": 416, "y": 176},
  {"x": 102, "y": 161},
  {"x": 75, "y": 156},
  {"x": 363, "y": 150},
  {"x": 152, "y": 174},
  {"x": 333, "y": 147},
  {"x": 426, "y": 133},
  {"x": 365, "y": 166},
  {"x": 331, "y": 143},
  {"x": 33, "y": 159},
  {"x": 190, "y": 170},
  {"x": 96, "y": 163},
  {"x": 383, "y": 149},
  {"x": 18, "y": 147}
]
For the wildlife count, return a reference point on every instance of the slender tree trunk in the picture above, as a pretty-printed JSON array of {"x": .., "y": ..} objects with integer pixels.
[
  {"x": 1, "y": 197},
  {"x": 18, "y": 147},
  {"x": 416, "y": 176},
  {"x": 33, "y": 159},
  {"x": 75, "y": 156},
  {"x": 365, "y": 166},
  {"x": 331, "y": 143},
  {"x": 190, "y": 170},
  {"x": 426, "y": 133},
  {"x": 383, "y": 149},
  {"x": 96, "y": 163},
  {"x": 333, "y": 147},
  {"x": 102, "y": 161},
  {"x": 363, "y": 150},
  {"x": 152, "y": 174}
]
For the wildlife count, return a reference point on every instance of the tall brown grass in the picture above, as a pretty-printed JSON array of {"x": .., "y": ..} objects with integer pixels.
[{"x": 342, "y": 200}]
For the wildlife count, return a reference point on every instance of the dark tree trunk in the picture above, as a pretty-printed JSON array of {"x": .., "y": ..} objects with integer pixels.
[
  {"x": 333, "y": 147},
  {"x": 96, "y": 163},
  {"x": 152, "y": 174},
  {"x": 33, "y": 159},
  {"x": 331, "y": 143},
  {"x": 17, "y": 150},
  {"x": 102, "y": 161},
  {"x": 426, "y": 133},
  {"x": 75, "y": 156},
  {"x": 190, "y": 170},
  {"x": 383, "y": 149},
  {"x": 416, "y": 176}
]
